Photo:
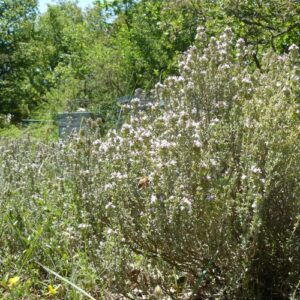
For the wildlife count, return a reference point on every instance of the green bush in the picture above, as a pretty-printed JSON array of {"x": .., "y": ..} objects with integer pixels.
[{"x": 198, "y": 197}]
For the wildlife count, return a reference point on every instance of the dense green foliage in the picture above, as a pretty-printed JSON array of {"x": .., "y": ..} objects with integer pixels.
[
  {"x": 17, "y": 68},
  {"x": 67, "y": 58},
  {"x": 195, "y": 196}
]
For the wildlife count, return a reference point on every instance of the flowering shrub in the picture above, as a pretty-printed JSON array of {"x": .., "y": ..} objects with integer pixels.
[
  {"x": 198, "y": 197},
  {"x": 222, "y": 159}
]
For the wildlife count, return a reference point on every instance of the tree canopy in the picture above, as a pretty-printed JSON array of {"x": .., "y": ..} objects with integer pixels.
[{"x": 66, "y": 57}]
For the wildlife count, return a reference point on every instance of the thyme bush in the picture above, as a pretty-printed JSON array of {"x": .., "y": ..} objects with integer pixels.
[{"x": 198, "y": 198}]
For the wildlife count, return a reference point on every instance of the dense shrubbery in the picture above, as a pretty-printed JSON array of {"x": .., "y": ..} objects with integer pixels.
[{"x": 198, "y": 197}]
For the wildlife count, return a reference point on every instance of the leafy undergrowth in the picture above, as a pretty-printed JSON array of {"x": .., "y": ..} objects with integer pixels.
[
  {"x": 40, "y": 132},
  {"x": 198, "y": 199}
]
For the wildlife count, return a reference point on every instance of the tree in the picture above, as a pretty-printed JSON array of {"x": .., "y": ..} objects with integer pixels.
[
  {"x": 64, "y": 40},
  {"x": 17, "y": 94},
  {"x": 151, "y": 39},
  {"x": 262, "y": 24},
  {"x": 153, "y": 34}
]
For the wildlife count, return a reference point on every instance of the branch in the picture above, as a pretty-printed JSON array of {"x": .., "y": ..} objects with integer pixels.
[{"x": 290, "y": 28}]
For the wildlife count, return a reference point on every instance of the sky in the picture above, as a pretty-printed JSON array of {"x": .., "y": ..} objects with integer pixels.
[{"x": 81, "y": 3}]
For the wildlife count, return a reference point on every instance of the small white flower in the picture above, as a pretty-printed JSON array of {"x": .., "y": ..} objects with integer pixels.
[
  {"x": 84, "y": 172},
  {"x": 190, "y": 86},
  {"x": 159, "y": 165},
  {"x": 108, "y": 205},
  {"x": 135, "y": 101},
  {"x": 83, "y": 226},
  {"x": 247, "y": 123},
  {"x": 210, "y": 197},
  {"x": 225, "y": 67},
  {"x": 197, "y": 143},
  {"x": 172, "y": 162},
  {"x": 186, "y": 204},
  {"x": 146, "y": 133},
  {"x": 213, "y": 162},
  {"x": 165, "y": 144},
  {"x": 153, "y": 199},
  {"x": 118, "y": 175},
  {"x": 109, "y": 186},
  {"x": 247, "y": 80},
  {"x": 214, "y": 121},
  {"x": 96, "y": 142},
  {"x": 255, "y": 170},
  {"x": 203, "y": 59},
  {"x": 110, "y": 231},
  {"x": 240, "y": 41}
]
